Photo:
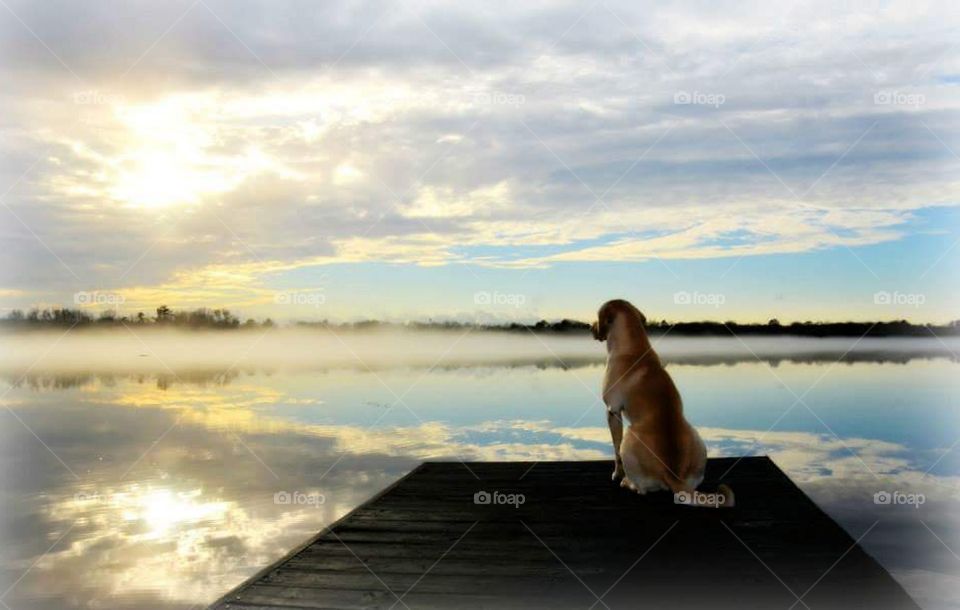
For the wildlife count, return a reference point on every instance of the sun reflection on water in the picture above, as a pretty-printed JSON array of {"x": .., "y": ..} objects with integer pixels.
[{"x": 176, "y": 502}]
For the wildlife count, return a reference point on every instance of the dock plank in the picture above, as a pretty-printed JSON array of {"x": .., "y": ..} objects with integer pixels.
[{"x": 577, "y": 540}]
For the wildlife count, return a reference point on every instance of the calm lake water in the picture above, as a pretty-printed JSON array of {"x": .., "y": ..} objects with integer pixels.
[{"x": 147, "y": 483}]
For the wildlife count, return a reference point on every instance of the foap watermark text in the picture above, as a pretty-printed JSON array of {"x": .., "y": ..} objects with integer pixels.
[
  {"x": 499, "y": 498},
  {"x": 299, "y": 498},
  {"x": 899, "y": 498},
  {"x": 698, "y": 498},
  {"x": 97, "y": 298},
  {"x": 891, "y": 97},
  {"x": 698, "y": 98},
  {"x": 507, "y": 299},
  {"x": 711, "y": 299},
  {"x": 911, "y": 299},
  {"x": 300, "y": 298},
  {"x": 499, "y": 98}
]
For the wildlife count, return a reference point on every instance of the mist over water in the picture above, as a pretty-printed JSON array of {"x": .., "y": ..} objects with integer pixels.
[
  {"x": 141, "y": 468},
  {"x": 148, "y": 349}
]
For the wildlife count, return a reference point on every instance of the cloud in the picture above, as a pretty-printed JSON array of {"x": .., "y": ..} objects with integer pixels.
[
  {"x": 190, "y": 528},
  {"x": 262, "y": 138}
]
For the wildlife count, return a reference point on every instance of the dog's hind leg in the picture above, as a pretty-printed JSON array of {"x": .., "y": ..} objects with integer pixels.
[{"x": 636, "y": 477}]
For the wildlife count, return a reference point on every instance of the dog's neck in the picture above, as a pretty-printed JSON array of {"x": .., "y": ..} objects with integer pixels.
[{"x": 627, "y": 337}]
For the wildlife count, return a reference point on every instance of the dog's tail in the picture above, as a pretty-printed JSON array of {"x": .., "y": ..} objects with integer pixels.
[
  {"x": 729, "y": 499},
  {"x": 722, "y": 498}
]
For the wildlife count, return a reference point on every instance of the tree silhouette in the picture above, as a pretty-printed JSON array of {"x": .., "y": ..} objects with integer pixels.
[
  {"x": 164, "y": 314},
  {"x": 223, "y": 319}
]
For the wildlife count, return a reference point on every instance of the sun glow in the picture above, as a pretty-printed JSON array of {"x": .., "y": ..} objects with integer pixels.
[
  {"x": 161, "y": 510},
  {"x": 176, "y": 155},
  {"x": 346, "y": 174},
  {"x": 161, "y": 178}
]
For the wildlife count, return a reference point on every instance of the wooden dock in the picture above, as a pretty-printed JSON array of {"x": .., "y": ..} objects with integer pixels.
[{"x": 577, "y": 540}]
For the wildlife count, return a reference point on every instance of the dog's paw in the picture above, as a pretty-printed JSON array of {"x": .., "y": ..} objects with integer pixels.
[{"x": 617, "y": 474}]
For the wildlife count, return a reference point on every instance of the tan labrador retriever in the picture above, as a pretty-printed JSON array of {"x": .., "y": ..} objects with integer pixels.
[{"x": 661, "y": 450}]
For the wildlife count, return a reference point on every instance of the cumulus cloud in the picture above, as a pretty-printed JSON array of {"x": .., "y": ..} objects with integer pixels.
[{"x": 150, "y": 142}]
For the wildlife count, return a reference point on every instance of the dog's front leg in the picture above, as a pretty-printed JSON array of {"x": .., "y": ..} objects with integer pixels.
[{"x": 615, "y": 421}]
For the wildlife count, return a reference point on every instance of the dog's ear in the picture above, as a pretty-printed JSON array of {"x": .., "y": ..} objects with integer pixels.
[
  {"x": 596, "y": 330},
  {"x": 601, "y": 327}
]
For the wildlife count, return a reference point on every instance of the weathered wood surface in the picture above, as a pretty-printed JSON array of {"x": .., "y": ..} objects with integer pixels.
[{"x": 578, "y": 541}]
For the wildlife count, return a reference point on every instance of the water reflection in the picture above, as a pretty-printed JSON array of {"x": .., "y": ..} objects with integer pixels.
[{"x": 160, "y": 489}]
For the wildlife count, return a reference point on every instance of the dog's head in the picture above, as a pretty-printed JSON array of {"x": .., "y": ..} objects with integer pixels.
[{"x": 609, "y": 313}]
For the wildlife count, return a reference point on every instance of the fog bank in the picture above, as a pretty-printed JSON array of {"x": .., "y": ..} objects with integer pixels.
[{"x": 161, "y": 350}]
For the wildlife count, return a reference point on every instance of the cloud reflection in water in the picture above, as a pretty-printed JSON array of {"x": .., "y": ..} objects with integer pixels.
[{"x": 175, "y": 498}]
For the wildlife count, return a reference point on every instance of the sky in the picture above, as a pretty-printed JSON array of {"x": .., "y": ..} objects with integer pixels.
[{"x": 482, "y": 161}]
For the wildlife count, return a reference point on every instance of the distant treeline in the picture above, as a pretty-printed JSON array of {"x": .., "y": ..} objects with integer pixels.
[
  {"x": 204, "y": 318},
  {"x": 898, "y": 328},
  {"x": 65, "y": 317}
]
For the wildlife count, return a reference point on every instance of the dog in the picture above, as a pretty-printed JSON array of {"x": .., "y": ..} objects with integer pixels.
[{"x": 661, "y": 450}]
